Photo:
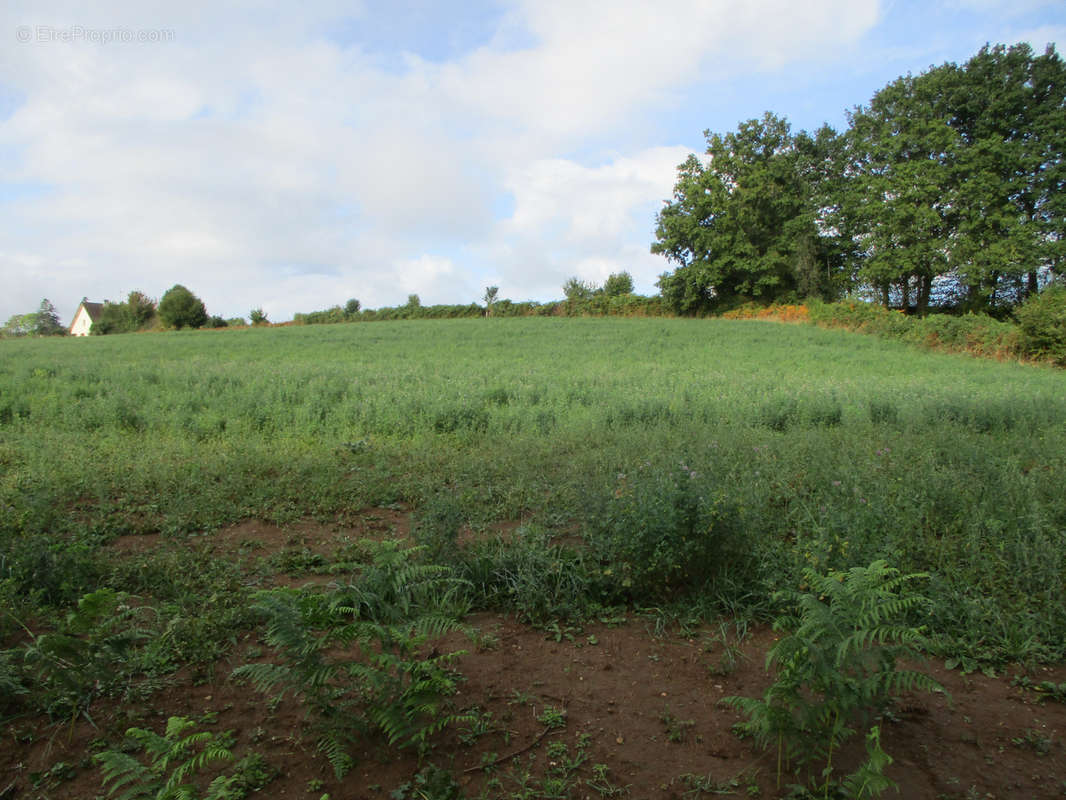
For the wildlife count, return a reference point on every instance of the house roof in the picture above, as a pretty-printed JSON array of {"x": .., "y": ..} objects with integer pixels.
[{"x": 92, "y": 309}]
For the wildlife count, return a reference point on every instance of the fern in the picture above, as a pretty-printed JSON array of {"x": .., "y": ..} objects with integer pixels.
[
  {"x": 173, "y": 759},
  {"x": 837, "y": 667},
  {"x": 389, "y": 613},
  {"x": 89, "y": 655}
]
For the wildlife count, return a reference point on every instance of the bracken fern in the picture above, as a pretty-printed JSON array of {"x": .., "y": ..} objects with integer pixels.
[
  {"x": 837, "y": 667},
  {"x": 389, "y": 613}
]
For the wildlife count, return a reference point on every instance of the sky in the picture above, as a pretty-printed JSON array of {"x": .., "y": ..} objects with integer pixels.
[{"x": 292, "y": 156}]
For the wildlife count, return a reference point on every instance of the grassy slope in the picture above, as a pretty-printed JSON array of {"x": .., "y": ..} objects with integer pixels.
[{"x": 830, "y": 449}]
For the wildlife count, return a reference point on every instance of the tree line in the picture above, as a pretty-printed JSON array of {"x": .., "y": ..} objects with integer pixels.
[{"x": 947, "y": 189}]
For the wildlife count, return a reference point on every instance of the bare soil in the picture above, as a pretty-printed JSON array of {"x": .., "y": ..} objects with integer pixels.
[{"x": 643, "y": 702}]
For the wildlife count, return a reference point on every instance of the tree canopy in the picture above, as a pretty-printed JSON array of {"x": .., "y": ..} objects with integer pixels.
[
  {"x": 180, "y": 308},
  {"x": 956, "y": 175}
]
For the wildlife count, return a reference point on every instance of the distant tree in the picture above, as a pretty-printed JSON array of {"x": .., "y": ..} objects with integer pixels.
[
  {"x": 141, "y": 309},
  {"x": 179, "y": 308},
  {"x": 492, "y": 294},
  {"x": 216, "y": 321},
  {"x": 236, "y": 322},
  {"x": 47, "y": 321},
  {"x": 137, "y": 313},
  {"x": 413, "y": 301},
  {"x": 20, "y": 325},
  {"x": 258, "y": 316},
  {"x": 576, "y": 290},
  {"x": 618, "y": 284},
  {"x": 743, "y": 220},
  {"x": 351, "y": 308}
]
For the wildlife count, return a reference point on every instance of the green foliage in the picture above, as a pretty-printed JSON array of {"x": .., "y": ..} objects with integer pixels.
[
  {"x": 137, "y": 313},
  {"x": 742, "y": 222},
  {"x": 836, "y": 667},
  {"x": 1042, "y": 319},
  {"x": 429, "y": 783},
  {"x": 43, "y": 322},
  {"x": 47, "y": 322},
  {"x": 258, "y": 316},
  {"x": 663, "y": 531},
  {"x": 174, "y": 759},
  {"x": 389, "y": 612},
  {"x": 938, "y": 463},
  {"x": 617, "y": 284},
  {"x": 179, "y": 308},
  {"x": 973, "y": 333},
  {"x": 91, "y": 654}
]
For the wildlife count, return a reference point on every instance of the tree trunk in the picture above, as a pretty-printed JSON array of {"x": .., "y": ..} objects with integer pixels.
[{"x": 925, "y": 289}]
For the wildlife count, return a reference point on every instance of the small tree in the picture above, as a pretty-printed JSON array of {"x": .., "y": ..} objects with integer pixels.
[
  {"x": 258, "y": 316},
  {"x": 492, "y": 293},
  {"x": 618, "y": 284},
  {"x": 577, "y": 290},
  {"x": 351, "y": 308},
  {"x": 180, "y": 308},
  {"x": 47, "y": 322},
  {"x": 20, "y": 325}
]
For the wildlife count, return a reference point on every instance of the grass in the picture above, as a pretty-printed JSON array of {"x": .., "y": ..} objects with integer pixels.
[{"x": 799, "y": 447}]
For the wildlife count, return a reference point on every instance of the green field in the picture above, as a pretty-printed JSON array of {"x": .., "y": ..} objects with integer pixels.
[{"x": 700, "y": 463}]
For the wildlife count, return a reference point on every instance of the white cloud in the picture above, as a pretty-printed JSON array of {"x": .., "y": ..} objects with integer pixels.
[{"x": 259, "y": 163}]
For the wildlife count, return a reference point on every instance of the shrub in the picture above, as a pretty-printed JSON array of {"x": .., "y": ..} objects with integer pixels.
[
  {"x": 174, "y": 758},
  {"x": 837, "y": 667},
  {"x": 180, "y": 308},
  {"x": 664, "y": 531},
  {"x": 394, "y": 608},
  {"x": 1042, "y": 319}
]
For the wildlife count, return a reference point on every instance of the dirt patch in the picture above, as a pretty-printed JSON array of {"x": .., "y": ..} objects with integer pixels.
[{"x": 645, "y": 705}]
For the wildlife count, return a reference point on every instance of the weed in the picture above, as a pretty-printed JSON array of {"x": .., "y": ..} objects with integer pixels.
[
  {"x": 429, "y": 783},
  {"x": 552, "y": 718},
  {"x": 836, "y": 666},
  {"x": 699, "y": 785},
  {"x": 1034, "y": 740},
  {"x": 676, "y": 729},
  {"x": 174, "y": 759},
  {"x": 395, "y": 608}
]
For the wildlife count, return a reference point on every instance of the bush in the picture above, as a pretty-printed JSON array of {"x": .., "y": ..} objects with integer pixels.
[
  {"x": 836, "y": 668},
  {"x": 664, "y": 531},
  {"x": 1042, "y": 319},
  {"x": 180, "y": 308}
]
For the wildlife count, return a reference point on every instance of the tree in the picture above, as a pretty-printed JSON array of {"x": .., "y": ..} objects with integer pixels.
[
  {"x": 20, "y": 325},
  {"x": 742, "y": 220},
  {"x": 578, "y": 291},
  {"x": 491, "y": 295},
  {"x": 351, "y": 308},
  {"x": 137, "y": 313},
  {"x": 1009, "y": 107},
  {"x": 901, "y": 158},
  {"x": 47, "y": 321},
  {"x": 258, "y": 316},
  {"x": 179, "y": 308},
  {"x": 618, "y": 284}
]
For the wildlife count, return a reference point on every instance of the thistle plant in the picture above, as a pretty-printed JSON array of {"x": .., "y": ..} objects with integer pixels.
[{"x": 836, "y": 669}]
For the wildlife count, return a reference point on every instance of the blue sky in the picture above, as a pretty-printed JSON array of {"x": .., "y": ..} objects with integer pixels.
[{"x": 290, "y": 158}]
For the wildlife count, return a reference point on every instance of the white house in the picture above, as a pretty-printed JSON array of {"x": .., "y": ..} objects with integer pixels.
[{"x": 84, "y": 318}]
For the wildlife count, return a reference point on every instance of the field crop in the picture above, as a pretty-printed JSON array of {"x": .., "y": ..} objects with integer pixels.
[
  {"x": 560, "y": 469},
  {"x": 798, "y": 446}
]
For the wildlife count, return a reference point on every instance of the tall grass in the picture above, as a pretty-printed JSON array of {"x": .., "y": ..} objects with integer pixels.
[{"x": 822, "y": 448}]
